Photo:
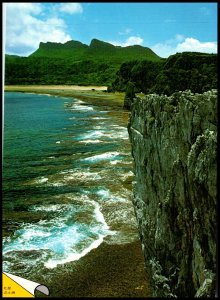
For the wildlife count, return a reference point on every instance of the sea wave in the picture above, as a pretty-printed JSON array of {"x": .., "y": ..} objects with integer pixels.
[
  {"x": 103, "y": 156},
  {"x": 90, "y": 141},
  {"x": 81, "y": 107},
  {"x": 94, "y": 134},
  {"x": 67, "y": 177},
  {"x": 60, "y": 234}
]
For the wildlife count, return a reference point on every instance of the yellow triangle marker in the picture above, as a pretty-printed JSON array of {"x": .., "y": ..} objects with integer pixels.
[
  {"x": 15, "y": 286},
  {"x": 11, "y": 289}
]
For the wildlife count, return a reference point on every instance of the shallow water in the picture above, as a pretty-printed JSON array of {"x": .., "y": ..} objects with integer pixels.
[{"x": 67, "y": 173}]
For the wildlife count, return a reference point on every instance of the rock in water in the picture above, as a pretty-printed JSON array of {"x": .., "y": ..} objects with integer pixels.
[{"x": 174, "y": 141}]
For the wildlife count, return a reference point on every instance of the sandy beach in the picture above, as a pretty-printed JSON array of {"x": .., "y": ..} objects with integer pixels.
[
  {"x": 96, "y": 95},
  {"x": 111, "y": 270},
  {"x": 56, "y": 87}
]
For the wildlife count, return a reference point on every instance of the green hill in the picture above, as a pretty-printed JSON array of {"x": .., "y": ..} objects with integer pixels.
[
  {"x": 97, "y": 49},
  {"x": 71, "y": 49},
  {"x": 102, "y": 63},
  {"x": 73, "y": 63}
]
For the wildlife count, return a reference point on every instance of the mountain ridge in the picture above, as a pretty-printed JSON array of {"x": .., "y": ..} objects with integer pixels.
[
  {"x": 96, "y": 49},
  {"x": 102, "y": 63}
]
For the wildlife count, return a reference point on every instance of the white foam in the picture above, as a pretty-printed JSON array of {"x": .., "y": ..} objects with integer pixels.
[
  {"x": 66, "y": 177},
  {"x": 100, "y": 118},
  {"x": 90, "y": 141},
  {"x": 49, "y": 95},
  {"x": 103, "y": 156},
  {"x": 81, "y": 107},
  {"x": 57, "y": 142},
  {"x": 61, "y": 235},
  {"x": 99, "y": 216},
  {"x": 118, "y": 199},
  {"x": 104, "y": 193},
  {"x": 115, "y": 162},
  {"x": 41, "y": 180},
  {"x": 93, "y": 134},
  {"x": 57, "y": 183},
  {"x": 110, "y": 134},
  {"x": 78, "y": 102},
  {"x": 127, "y": 174},
  {"x": 52, "y": 263},
  {"x": 82, "y": 176},
  {"x": 119, "y": 127},
  {"x": 51, "y": 207}
]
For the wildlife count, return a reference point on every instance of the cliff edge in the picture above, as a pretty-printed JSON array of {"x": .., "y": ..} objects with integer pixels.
[{"x": 174, "y": 145}]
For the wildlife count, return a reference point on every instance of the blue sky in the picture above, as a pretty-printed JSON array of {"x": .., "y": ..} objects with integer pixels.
[{"x": 166, "y": 28}]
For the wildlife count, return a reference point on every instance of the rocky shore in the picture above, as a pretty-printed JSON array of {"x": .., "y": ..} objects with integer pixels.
[{"x": 108, "y": 271}]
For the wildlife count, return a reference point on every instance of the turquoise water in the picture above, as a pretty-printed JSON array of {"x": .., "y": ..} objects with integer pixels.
[{"x": 67, "y": 175}]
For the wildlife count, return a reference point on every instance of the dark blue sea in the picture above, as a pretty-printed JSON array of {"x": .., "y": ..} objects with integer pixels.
[{"x": 67, "y": 180}]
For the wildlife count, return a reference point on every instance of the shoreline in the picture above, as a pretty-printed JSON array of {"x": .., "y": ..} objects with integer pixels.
[
  {"x": 110, "y": 270},
  {"x": 95, "y": 95}
]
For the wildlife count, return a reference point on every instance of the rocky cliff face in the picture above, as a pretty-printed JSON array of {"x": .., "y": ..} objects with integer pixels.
[{"x": 174, "y": 149}]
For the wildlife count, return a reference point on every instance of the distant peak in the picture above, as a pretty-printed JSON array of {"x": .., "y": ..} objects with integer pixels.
[
  {"x": 98, "y": 43},
  {"x": 68, "y": 44},
  {"x": 49, "y": 44},
  {"x": 75, "y": 44}
]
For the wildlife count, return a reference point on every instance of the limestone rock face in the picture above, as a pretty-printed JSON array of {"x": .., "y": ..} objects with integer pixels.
[{"x": 174, "y": 144}]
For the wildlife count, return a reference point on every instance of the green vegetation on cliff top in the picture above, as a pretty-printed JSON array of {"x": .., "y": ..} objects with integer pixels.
[{"x": 183, "y": 71}]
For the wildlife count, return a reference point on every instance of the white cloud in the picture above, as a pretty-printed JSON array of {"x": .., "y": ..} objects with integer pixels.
[
  {"x": 34, "y": 8},
  {"x": 132, "y": 40},
  {"x": 71, "y": 8},
  {"x": 191, "y": 44},
  {"x": 182, "y": 44},
  {"x": 179, "y": 37},
  {"x": 25, "y": 28}
]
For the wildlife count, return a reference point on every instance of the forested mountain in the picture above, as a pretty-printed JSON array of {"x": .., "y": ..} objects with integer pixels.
[
  {"x": 101, "y": 63},
  {"x": 73, "y": 63},
  {"x": 97, "y": 49}
]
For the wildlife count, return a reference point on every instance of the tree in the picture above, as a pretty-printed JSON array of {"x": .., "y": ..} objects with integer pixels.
[{"x": 129, "y": 95}]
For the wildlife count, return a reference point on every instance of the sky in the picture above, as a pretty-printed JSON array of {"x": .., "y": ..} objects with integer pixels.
[{"x": 166, "y": 28}]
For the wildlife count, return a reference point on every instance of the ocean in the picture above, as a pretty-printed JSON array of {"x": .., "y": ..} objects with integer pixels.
[{"x": 67, "y": 181}]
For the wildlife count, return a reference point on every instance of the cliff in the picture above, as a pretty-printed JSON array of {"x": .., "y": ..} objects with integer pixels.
[{"x": 174, "y": 142}]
